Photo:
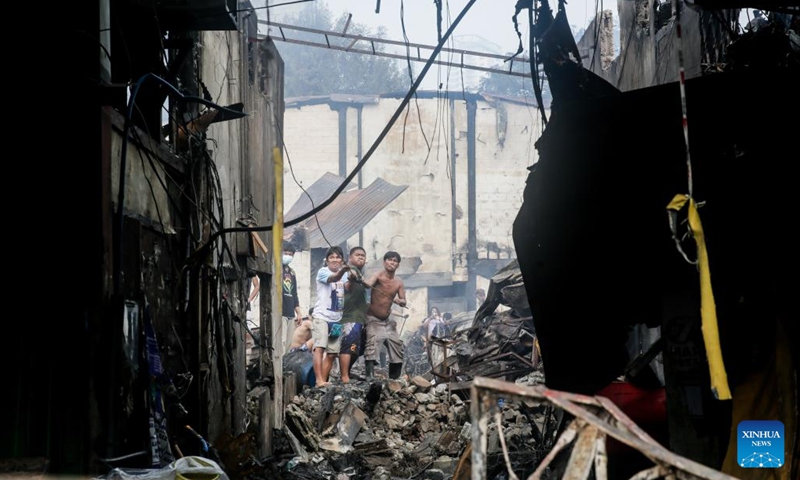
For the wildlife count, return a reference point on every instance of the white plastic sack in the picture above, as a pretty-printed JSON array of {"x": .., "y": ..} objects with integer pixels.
[{"x": 187, "y": 467}]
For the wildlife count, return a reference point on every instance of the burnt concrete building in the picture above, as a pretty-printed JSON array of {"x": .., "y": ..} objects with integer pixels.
[{"x": 174, "y": 117}]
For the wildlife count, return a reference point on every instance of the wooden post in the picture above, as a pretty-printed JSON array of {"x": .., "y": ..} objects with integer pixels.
[
  {"x": 289, "y": 387},
  {"x": 277, "y": 293},
  {"x": 265, "y": 424}
]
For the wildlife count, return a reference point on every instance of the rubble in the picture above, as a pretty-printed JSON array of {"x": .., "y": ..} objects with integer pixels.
[
  {"x": 418, "y": 426},
  {"x": 415, "y": 430},
  {"x": 497, "y": 341},
  {"x": 482, "y": 410}
]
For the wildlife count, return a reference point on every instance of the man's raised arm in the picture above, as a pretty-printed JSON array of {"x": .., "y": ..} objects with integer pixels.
[{"x": 401, "y": 295}]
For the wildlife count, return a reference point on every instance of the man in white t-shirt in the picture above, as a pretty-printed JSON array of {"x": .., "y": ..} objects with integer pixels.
[{"x": 326, "y": 325}]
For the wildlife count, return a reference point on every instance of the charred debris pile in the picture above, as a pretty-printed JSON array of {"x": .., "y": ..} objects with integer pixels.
[
  {"x": 408, "y": 428},
  {"x": 419, "y": 425},
  {"x": 497, "y": 341}
]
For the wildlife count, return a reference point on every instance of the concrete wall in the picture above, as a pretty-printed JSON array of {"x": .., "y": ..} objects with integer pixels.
[
  {"x": 140, "y": 200},
  {"x": 219, "y": 70},
  {"x": 430, "y": 219},
  {"x": 235, "y": 70}
]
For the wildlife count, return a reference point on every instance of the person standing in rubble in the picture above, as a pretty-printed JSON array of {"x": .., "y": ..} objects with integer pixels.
[
  {"x": 326, "y": 329},
  {"x": 386, "y": 289},
  {"x": 292, "y": 317},
  {"x": 356, "y": 304},
  {"x": 435, "y": 327},
  {"x": 432, "y": 323}
]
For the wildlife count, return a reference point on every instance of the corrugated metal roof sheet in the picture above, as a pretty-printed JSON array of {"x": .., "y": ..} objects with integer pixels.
[
  {"x": 347, "y": 214},
  {"x": 319, "y": 191}
]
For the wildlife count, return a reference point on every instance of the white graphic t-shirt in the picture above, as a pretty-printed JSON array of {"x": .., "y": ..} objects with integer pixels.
[{"x": 330, "y": 296}]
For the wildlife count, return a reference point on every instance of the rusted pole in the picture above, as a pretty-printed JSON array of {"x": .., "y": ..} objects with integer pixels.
[{"x": 479, "y": 410}]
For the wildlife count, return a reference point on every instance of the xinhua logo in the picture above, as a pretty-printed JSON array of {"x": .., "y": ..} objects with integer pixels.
[{"x": 760, "y": 444}]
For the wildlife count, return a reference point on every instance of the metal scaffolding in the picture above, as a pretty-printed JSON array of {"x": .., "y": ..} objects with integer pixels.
[{"x": 466, "y": 58}]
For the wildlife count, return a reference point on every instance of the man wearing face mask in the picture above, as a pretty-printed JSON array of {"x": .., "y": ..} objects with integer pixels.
[{"x": 292, "y": 317}]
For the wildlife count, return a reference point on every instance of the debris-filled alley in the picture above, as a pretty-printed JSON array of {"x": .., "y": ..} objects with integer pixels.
[{"x": 332, "y": 240}]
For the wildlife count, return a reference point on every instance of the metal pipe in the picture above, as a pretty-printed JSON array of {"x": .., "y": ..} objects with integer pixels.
[
  {"x": 398, "y": 43},
  {"x": 359, "y": 153},
  {"x": 453, "y": 156},
  {"x": 341, "y": 109},
  {"x": 472, "y": 233}
]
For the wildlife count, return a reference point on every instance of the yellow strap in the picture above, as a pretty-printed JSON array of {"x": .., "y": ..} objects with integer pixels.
[{"x": 708, "y": 309}]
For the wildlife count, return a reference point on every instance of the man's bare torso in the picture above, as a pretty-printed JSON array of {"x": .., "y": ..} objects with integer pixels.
[
  {"x": 382, "y": 296},
  {"x": 302, "y": 334}
]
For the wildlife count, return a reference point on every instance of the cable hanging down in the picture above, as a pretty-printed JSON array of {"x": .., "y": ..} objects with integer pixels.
[
  {"x": 708, "y": 310},
  {"x": 368, "y": 154},
  {"x": 118, "y": 219}
]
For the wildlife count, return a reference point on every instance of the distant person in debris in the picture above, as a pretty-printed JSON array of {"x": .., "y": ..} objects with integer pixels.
[
  {"x": 386, "y": 289},
  {"x": 433, "y": 323},
  {"x": 326, "y": 328},
  {"x": 435, "y": 328},
  {"x": 356, "y": 304}
]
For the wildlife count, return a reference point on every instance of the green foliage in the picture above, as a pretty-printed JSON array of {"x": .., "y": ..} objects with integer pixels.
[{"x": 319, "y": 71}]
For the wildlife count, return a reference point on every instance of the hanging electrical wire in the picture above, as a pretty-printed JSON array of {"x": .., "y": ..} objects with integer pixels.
[
  {"x": 201, "y": 251},
  {"x": 118, "y": 219},
  {"x": 310, "y": 199},
  {"x": 677, "y": 5},
  {"x": 411, "y": 79},
  {"x": 708, "y": 311},
  {"x": 291, "y": 170}
]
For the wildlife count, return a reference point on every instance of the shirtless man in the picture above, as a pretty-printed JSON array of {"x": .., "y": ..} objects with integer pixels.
[
  {"x": 386, "y": 289},
  {"x": 301, "y": 338}
]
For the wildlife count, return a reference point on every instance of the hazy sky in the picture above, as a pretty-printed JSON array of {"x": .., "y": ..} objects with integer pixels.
[{"x": 490, "y": 19}]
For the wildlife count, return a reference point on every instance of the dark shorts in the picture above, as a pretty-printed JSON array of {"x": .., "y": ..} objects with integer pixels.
[{"x": 351, "y": 339}]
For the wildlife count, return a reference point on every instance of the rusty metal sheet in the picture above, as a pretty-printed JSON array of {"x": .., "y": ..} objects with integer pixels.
[
  {"x": 319, "y": 191},
  {"x": 346, "y": 215}
]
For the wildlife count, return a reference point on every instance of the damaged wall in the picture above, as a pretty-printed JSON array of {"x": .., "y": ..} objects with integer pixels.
[
  {"x": 432, "y": 218},
  {"x": 140, "y": 173},
  {"x": 648, "y": 44},
  {"x": 236, "y": 69},
  {"x": 78, "y": 398}
]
